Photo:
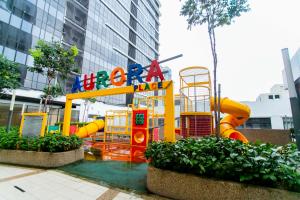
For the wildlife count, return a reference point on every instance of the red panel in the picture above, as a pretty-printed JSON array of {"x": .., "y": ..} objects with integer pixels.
[
  {"x": 73, "y": 129},
  {"x": 137, "y": 154},
  {"x": 198, "y": 125}
]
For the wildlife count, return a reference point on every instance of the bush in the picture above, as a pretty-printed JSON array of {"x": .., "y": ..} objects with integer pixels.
[
  {"x": 262, "y": 164},
  {"x": 8, "y": 140},
  {"x": 48, "y": 143},
  {"x": 59, "y": 143}
]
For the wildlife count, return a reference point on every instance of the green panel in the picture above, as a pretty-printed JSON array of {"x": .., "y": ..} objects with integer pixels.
[{"x": 139, "y": 119}]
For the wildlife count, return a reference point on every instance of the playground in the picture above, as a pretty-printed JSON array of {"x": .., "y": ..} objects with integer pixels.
[
  {"x": 123, "y": 135},
  {"x": 133, "y": 147},
  {"x": 115, "y": 143}
]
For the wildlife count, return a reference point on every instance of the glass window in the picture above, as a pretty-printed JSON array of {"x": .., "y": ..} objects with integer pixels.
[
  {"x": 60, "y": 16},
  {"x": 29, "y": 61},
  {"x": 52, "y": 11},
  {"x": 26, "y": 26},
  {"x": 277, "y": 96},
  {"x": 48, "y": 36},
  {"x": 33, "y": 1},
  {"x": 9, "y": 53},
  {"x": 27, "y": 83},
  {"x": 36, "y": 31},
  {"x": 47, "y": 7},
  {"x": 41, "y": 4},
  {"x": 270, "y": 96},
  {"x": 4, "y": 15},
  {"x": 15, "y": 21},
  {"x": 56, "y": 38},
  {"x": 42, "y": 33},
  {"x": 21, "y": 57}
]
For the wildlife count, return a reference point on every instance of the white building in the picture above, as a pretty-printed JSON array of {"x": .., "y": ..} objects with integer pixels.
[{"x": 271, "y": 110}]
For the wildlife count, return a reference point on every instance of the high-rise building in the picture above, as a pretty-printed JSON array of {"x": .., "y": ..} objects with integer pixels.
[{"x": 108, "y": 33}]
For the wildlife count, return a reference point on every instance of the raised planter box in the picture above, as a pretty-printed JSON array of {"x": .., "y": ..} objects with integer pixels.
[
  {"x": 186, "y": 186},
  {"x": 40, "y": 159}
]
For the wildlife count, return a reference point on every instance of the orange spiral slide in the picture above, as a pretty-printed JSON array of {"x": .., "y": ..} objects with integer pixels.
[{"x": 236, "y": 115}]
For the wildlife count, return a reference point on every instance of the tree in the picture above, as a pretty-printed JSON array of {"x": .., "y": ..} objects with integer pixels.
[
  {"x": 9, "y": 74},
  {"x": 52, "y": 59},
  {"x": 214, "y": 13}
]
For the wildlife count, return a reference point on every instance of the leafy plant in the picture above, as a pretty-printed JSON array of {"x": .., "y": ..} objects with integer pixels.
[
  {"x": 48, "y": 143},
  {"x": 9, "y": 73},
  {"x": 59, "y": 143},
  {"x": 51, "y": 59},
  {"x": 8, "y": 140},
  {"x": 29, "y": 143},
  {"x": 54, "y": 91},
  {"x": 262, "y": 164}
]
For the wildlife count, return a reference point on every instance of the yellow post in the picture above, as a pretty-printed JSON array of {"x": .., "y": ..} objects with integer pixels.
[
  {"x": 169, "y": 130},
  {"x": 67, "y": 116}
]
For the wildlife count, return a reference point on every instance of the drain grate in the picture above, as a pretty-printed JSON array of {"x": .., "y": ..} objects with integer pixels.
[{"x": 19, "y": 188}]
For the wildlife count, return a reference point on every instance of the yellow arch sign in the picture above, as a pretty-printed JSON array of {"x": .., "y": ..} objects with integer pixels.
[{"x": 169, "y": 130}]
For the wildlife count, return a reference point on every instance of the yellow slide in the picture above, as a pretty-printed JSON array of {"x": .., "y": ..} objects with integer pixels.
[
  {"x": 237, "y": 114},
  {"x": 90, "y": 129}
]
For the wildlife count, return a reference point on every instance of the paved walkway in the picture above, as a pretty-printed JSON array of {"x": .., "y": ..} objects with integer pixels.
[{"x": 20, "y": 183}]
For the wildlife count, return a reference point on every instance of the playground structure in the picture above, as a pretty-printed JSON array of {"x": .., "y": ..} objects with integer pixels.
[
  {"x": 139, "y": 115},
  {"x": 152, "y": 118},
  {"x": 142, "y": 117},
  {"x": 197, "y": 105}
]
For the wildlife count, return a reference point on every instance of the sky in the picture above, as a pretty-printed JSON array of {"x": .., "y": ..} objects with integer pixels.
[{"x": 249, "y": 50}]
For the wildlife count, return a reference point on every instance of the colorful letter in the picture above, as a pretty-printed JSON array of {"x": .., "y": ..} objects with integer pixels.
[
  {"x": 141, "y": 88},
  {"x": 102, "y": 77},
  {"x": 147, "y": 87},
  {"x": 160, "y": 85},
  {"x": 155, "y": 71},
  {"x": 113, "y": 75},
  {"x": 154, "y": 86},
  {"x": 92, "y": 82},
  {"x": 76, "y": 86},
  {"x": 134, "y": 71}
]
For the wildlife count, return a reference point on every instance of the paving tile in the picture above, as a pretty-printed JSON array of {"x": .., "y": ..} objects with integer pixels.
[
  {"x": 92, "y": 190},
  {"x": 124, "y": 196},
  {"x": 52, "y": 185},
  {"x": 9, "y": 192},
  {"x": 7, "y": 171}
]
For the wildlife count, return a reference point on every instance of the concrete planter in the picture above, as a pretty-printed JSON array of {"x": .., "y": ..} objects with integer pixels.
[
  {"x": 40, "y": 159},
  {"x": 186, "y": 186}
]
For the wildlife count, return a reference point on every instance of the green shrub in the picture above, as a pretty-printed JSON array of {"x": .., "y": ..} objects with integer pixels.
[
  {"x": 48, "y": 143},
  {"x": 59, "y": 143},
  {"x": 29, "y": 143},
  {"x": 8, "y": 140},
  {"x": 262, "y": 164}
]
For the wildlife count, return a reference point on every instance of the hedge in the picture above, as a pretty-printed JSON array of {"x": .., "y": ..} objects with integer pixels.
[
  {"x": 226, "y": 159},
  {"x": 49, "y": 143}
]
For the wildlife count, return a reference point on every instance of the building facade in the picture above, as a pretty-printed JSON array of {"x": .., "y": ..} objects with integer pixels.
[
  {"x": 270, "y": 110},
  {"x": 108, "y": 33}
]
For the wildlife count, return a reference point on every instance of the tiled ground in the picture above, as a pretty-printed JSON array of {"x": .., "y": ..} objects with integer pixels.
[
  {"x": 7, "y": 171},
  {"x": 18, "y": 183}
]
